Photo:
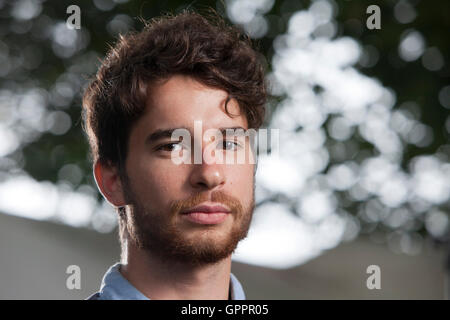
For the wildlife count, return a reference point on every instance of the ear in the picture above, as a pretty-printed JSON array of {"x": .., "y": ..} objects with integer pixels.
[{"x": 109, "y": 184}]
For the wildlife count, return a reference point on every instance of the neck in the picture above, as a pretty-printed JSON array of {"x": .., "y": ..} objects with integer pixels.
[{"x": 162, "y": 280}]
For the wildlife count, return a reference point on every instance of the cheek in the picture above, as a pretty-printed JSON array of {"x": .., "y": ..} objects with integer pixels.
[
  {"x": 241, "y": 178},
  {"x": 154, "y": 179}
]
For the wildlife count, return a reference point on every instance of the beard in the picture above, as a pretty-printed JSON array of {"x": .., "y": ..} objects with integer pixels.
[{"x": 165, "y": 235}]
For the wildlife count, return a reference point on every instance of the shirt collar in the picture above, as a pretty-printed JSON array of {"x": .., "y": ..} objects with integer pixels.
[{"x": 115, "y": 287}]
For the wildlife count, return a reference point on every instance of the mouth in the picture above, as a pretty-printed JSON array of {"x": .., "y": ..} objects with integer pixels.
[{"x": 207, "y": 214}]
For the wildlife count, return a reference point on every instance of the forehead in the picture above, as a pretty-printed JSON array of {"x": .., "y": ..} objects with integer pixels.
[{"x": 181, "y": 100}]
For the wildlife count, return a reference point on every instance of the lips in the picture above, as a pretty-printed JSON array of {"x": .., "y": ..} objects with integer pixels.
[
  {"x": 207, "y": 209},
  {"x": 206, "y": 214}
]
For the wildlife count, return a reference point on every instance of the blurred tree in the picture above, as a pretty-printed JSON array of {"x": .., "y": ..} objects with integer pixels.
[{"x": 45, "y": 66}]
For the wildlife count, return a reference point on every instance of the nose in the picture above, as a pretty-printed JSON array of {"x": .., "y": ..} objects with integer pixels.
[{"x": 207, "y": 176}]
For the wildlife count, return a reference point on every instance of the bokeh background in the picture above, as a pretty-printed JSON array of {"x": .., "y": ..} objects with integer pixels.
[{"x": 362, "y": 176}]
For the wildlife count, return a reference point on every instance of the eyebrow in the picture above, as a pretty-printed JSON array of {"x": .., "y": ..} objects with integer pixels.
[
  {"x": 241, "y": 131},
  {"x": 160, "y": 134},
  {"x": 167, "y": 133}
]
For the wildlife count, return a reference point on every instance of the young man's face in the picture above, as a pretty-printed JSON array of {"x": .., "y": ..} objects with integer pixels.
[{"x": 158, "y": 189}]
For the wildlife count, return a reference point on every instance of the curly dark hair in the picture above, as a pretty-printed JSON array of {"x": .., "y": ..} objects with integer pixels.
[{"x": 201, "y": 46}]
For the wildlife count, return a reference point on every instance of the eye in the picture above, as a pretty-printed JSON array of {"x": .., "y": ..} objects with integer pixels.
[
  {"x": 168, "y": 147},
  {"x": 230, "y": 145}
]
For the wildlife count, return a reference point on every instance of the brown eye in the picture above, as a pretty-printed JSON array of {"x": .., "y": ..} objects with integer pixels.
[{"x": 168, "y": 147}]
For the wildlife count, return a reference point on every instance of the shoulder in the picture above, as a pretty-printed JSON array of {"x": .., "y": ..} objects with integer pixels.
[{"x": 95, "y": 296}]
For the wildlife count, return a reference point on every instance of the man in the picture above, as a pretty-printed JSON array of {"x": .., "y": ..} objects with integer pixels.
[{"x": 179, "y": 222}]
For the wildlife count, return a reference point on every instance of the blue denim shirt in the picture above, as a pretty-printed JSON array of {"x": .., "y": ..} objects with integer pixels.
[{"x": 115, "y": 287}]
